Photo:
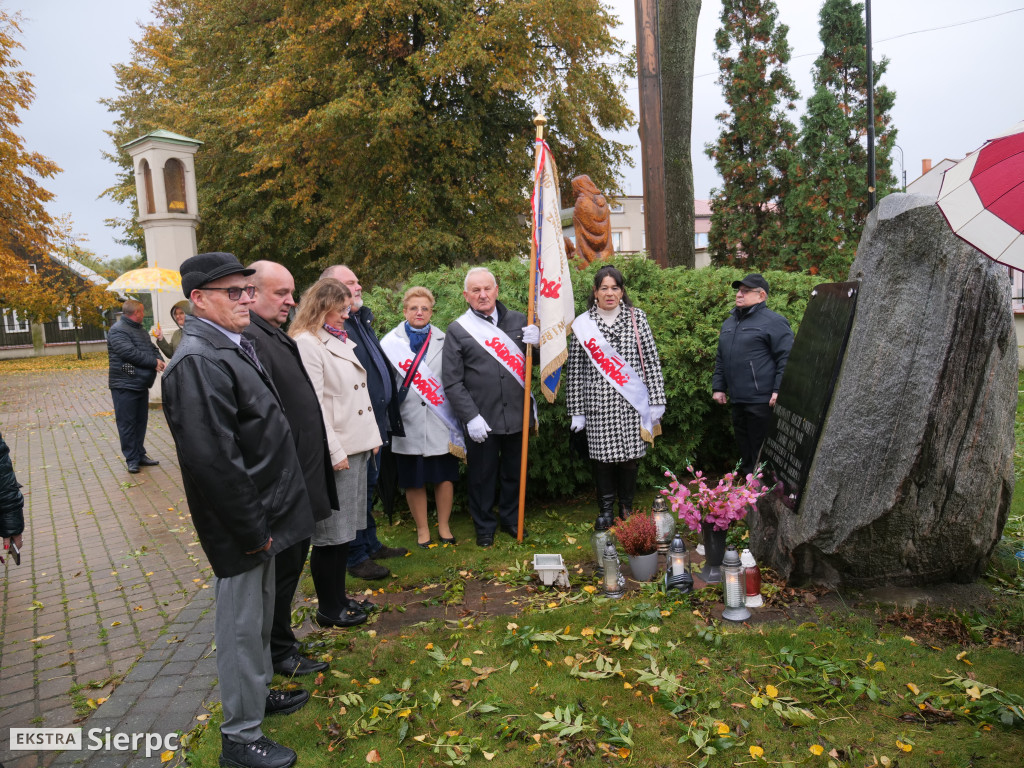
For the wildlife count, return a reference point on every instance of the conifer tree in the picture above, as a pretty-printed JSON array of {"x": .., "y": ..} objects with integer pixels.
[
  {"x": 755, "y": 145},
  {"x": 828, "y": 204}
]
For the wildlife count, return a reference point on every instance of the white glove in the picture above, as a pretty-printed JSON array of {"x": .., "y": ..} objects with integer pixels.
[
  {"x": 478, "y": 429},
  {"x": 531, "y": 334},
  {"x": 578, "y": 423},
  {"x": 657, "y": 411}
]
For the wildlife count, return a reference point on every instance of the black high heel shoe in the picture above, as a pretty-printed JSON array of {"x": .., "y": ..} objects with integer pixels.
[{"x": 446, "y": 541}]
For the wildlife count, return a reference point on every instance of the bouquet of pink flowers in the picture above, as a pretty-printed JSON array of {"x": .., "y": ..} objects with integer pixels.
[{"x": 697, "y": 502}]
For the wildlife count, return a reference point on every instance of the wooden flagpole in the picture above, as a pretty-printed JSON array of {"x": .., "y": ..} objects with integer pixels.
[{"x": 540, "y": 121}]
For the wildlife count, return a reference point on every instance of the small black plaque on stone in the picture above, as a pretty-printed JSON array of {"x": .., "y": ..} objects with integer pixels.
[{"x": 807, "y": 385}]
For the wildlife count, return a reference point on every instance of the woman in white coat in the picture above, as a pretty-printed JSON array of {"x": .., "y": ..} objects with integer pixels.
[
  {"x": 352, "y": 437},
  {"x": 432, "y": 432}
]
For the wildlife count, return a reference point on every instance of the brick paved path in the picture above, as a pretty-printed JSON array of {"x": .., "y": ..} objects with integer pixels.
[{"x": 110, "y": 561}]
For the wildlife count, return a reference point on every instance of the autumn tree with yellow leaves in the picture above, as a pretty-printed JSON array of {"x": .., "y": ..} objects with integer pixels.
[
  {"x": 34, "y": 247},
  {"x": 393, "y": 137}
]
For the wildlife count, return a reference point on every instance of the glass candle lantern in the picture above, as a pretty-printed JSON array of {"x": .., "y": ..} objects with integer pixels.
[
  {"x": 613, "y": 579},
  {"x": 676, "y": 575},
  {"x": 664, "y": 524},
  {"x": 598, "y": 540},
  {"x": 751, "y": 579},
  {"x": 735, "y": 587}
]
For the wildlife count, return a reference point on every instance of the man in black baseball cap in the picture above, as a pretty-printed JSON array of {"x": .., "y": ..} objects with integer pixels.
[
  {"x": 753, "y": 347},
  {"x": 246, "y": 493}
]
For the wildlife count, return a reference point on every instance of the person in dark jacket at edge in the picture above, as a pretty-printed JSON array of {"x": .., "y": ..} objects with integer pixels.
[
  {"x": 367, "y": 548},
  {"x": 753, "y": 347},
  {"x": 246, "y": 492},
  {"x": 134, "y": 362},
  {"x": 279, "y": 356},
  {"x": 12, "y": 503}
]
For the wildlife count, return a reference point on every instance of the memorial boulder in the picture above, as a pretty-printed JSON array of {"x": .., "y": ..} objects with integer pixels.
[{"x": 912, "y": 476}]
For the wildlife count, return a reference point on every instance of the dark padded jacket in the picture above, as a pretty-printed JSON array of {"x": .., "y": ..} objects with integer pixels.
[
  {"x": 12, "y": 503},
  {"x": 753, "y": 347},
  {"x": 242, "y": 476},
  {"x": 133, "y": 357}
]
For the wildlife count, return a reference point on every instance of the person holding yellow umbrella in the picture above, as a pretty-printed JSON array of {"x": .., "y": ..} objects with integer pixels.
[{"x": 178, "y": 312}]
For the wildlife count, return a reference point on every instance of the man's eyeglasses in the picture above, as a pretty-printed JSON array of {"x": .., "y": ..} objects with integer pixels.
[{"x": 234, "y": 292}]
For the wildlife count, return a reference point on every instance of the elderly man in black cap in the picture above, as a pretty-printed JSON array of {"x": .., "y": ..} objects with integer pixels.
[
  {"x": 245, "y": 490},
  {"x": 753, "y": 347}
]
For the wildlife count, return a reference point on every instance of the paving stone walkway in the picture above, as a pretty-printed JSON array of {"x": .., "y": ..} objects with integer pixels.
[{"x": 112, "y": 574}]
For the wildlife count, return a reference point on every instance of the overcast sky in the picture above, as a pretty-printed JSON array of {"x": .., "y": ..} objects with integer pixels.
[{"x": 955, "y": 66}]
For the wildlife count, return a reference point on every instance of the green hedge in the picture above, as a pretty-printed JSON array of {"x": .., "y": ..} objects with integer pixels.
[{"x": 685, "y": 308}]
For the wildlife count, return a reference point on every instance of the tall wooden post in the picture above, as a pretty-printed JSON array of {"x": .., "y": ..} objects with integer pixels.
[{"x": 652, "y": 142}]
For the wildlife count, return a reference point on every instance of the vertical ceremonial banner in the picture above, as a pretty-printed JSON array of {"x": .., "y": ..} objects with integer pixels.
[{"x": 553, "y": 289}]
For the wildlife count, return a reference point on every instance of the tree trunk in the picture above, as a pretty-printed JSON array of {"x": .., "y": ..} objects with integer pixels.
[{"x": 677, "y": 22}]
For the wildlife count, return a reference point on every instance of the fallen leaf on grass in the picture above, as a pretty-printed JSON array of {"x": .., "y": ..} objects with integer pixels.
[
  {"x": 756, "y": 752},
  {"x": 373, "y": 756},
  {"x": 913, "y": 689},
  {"x": 817, "y": 749}
]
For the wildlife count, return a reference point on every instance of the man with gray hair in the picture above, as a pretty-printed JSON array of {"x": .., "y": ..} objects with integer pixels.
[
  {"x": 484, "y": 368},
  {"x": 366, "y": 549},
  {"x": 134, "y": 363}
]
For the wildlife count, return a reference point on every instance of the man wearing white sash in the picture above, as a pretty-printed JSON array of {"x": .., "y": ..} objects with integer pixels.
[
  {"x": 484, "y": 376},
  {"x": 614, "y": 389}
]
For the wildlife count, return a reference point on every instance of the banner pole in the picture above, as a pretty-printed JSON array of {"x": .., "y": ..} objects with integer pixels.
[{"x": 540, "y": 121}]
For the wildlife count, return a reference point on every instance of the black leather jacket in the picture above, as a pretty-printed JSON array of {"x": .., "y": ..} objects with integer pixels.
[
  {"x": 133, "y": 357},
  {"x": 242, "y": 476},
  {"x": 12, "y": 503}
]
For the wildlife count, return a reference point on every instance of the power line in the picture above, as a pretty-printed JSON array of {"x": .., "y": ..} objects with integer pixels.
[{"x": 905, "y": 34}]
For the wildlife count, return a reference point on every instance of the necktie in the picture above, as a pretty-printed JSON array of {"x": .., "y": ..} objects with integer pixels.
[{"x": 250, "y": 350}]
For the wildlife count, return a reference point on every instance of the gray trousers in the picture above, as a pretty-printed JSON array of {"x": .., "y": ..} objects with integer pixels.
[{"x": 245, "y": 613}]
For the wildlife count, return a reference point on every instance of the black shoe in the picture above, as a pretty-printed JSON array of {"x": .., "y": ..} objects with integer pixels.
[
  {"x": 285, "y": 702},
  {"x": 369, "y": 570},
  {"x": 145, "y": 461},
  {"x": 299, "y": 665},
  {"x": 262, "y": 753},
  {"x": 133, "y": 468},
  {"x": 447, "y": 541},
  {"x": 350, "y": 617},
  {"x": 385, "y": 552},
  {"x": 485, "y": 540},
  {"x": 513, "y": 532},
  {"x": 424, "y": 544}
]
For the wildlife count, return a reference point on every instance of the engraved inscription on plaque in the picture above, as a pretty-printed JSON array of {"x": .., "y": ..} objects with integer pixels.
[{"x": 807, "y": 385}]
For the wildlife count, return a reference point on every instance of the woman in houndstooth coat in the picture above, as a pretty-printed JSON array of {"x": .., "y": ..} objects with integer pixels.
[{"x": 612, "y": 424}]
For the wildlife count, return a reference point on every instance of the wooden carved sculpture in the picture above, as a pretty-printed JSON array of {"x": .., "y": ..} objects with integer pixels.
[{"x": 591, "y": 218}]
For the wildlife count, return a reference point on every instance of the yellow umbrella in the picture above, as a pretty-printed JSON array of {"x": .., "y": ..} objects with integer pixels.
[{"x": 147, "y": 279}]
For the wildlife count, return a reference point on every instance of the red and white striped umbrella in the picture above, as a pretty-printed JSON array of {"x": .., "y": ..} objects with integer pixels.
[{"x": 982, "y": 198}]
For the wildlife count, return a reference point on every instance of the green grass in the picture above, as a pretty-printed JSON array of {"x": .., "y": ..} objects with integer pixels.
[{"x": 650, "y": 680}]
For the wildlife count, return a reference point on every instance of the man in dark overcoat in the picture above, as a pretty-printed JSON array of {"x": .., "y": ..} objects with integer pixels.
[
  {"x": 245, "y": 490},
  {"x": 366, "y": 549},
  {"x": 279, "y": 356}
]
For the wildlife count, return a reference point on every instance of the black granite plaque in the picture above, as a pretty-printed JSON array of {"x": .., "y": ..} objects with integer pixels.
[{"x": 806, "y": 389}]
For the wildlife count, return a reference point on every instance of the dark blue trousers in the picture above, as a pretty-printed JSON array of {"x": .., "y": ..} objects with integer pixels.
[
  {"x": 366, "y": 541},
  {"x": 131, "y": 412}
]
